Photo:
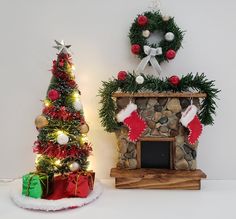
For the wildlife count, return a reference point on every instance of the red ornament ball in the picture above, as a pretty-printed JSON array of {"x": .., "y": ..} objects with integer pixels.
[
  {"x": 170, "y": 54},
  {"x": 122, "y": 75},
  {"x": 53, "y": 94},
  {"x": 142, "y": 20},
  {"x": 135, "y": 49},
  {"x": 174, "y": 80}
]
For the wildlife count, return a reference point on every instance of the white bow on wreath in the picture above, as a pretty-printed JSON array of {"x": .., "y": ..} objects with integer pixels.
[{"x": 151, "y": 53}]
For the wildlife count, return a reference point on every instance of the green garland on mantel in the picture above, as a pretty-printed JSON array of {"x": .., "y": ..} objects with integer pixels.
[{"x": 188, "y": 83}]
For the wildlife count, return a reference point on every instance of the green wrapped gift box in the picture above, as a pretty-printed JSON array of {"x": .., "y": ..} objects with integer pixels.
[{"x": 37, "y": 185}]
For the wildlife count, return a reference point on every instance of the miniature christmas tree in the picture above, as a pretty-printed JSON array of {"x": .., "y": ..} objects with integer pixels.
[{"x": 62, "y": 146}]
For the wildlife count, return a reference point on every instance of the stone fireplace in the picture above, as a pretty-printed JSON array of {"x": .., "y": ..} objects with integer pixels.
[{"x": 163, "y": 149}]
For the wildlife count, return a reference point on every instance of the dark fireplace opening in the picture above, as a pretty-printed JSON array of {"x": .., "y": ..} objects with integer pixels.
[{"x": 156, "y": 154}]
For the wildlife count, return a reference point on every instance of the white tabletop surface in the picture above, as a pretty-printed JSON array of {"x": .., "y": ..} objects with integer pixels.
[{"x": 217, "y": 199}]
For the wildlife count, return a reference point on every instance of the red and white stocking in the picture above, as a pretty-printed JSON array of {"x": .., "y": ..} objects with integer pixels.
[
  {"x": 190, "y": 120},
  {"x": 130, "y": 117}
]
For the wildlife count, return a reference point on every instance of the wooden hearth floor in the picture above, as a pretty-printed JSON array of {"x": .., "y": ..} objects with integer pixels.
[{"x": 157, "y": 178}]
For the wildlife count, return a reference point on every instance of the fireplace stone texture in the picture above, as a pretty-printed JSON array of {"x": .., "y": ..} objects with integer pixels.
[{"x": 162, "y": 116}]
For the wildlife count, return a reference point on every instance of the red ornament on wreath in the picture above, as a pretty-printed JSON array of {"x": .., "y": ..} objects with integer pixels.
[
  {"x": 174, "y": 80},
  {"x": 142, "y": 20},
  {"x": 53, "y": 94},
  {"x": 135, "y": 49},
  {"x": 170, "y": 54},
  {"x": 122, "y": 75}
]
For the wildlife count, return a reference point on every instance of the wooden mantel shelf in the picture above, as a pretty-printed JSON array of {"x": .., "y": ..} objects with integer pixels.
[
  {"x": 157, "y": 178},
  {"x": 162, "y": 94},
  {"x": 156, "y": 173}
]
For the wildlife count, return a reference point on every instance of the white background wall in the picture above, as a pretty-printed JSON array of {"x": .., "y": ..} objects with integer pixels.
[{"x": 98, "y": 33}]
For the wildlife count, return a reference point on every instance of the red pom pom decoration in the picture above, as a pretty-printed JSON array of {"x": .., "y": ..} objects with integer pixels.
[
  {"x": 174, "y": 80},
  {"x": 142, "y": 20},
  {"x": 135, "y": 49},
  {"x": 122, "y": 75},
  {"x": 170, "y": 54},
  {"x": 53, "y": 94}
]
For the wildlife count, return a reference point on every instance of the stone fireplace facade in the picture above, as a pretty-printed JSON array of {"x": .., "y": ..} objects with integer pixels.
[{"x": 162, "y": 115}]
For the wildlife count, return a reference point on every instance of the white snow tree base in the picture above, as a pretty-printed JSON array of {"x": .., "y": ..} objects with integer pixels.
[{"x": 53, "y": 205}]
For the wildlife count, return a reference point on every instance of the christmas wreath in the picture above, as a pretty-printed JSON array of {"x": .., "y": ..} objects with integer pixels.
[
  {"x": 146, "y": 24},
  {"x": 127, "y": 82}
]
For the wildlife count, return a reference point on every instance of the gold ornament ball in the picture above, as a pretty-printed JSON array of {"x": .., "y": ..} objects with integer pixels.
[
  {"x": 84, "y": 128},
  {"x": 41, "y": 121}
]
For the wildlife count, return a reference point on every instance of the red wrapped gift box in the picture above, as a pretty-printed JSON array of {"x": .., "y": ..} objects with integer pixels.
[
  {"x": 80, "y": 184},
  {"x": 59, "y": 188}
]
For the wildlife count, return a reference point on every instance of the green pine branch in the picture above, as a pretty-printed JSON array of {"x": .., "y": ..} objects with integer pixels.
[{"x": 190, "y": 82}]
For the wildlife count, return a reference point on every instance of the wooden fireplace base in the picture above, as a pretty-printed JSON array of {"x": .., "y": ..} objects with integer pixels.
[{"x": 157, "y": 178}]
